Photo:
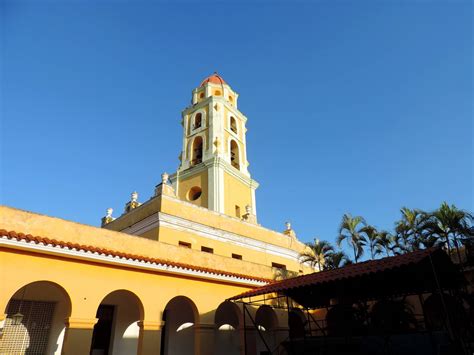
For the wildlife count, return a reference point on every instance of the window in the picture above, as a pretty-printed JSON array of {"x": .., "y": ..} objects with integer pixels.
[
  {"x": 236, "y": 256},
  {"x": 197, "y": 121},
  {"x": 217, "y": 93},
  {"x": 279, "y": 266},
  {"x": 233, "y": 125},
  {"x": 197, "y": 151},
  {"x": 231, "y": 99},
  {"x": 184, "y": 244},
  {"x": 207, "y": 250},
  {"x": 194, "y": 193},
  {"x": 237, "y": 211},
  {"x": 234, "y": 154},
  {"x": 201, "y": 95}
]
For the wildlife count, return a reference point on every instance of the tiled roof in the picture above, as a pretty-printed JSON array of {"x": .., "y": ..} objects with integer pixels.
[
  {"x": 346, "y": 272},
  {"x": 113, "y": 253},
  {"x": 214, "y": 79}
]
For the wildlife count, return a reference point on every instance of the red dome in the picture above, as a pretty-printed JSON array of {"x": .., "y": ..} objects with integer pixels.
[{"x": 214, "y": 79}]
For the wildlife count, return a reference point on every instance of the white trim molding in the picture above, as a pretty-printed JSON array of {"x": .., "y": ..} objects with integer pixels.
[
  {"x": 161, "y": 219},
  {"x": 123, "y": 261}
]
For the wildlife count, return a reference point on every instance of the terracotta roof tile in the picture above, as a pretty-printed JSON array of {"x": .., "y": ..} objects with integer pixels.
[
  {"x": 214, "y": 79},
  {"x": 89, "y": 248},
  {"x": 349, "y": 271}
]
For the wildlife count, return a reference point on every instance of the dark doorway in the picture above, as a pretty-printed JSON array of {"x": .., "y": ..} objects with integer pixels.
[{"x": 102, "y": 330}]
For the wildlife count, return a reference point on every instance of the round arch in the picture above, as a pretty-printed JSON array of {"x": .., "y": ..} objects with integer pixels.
[
  {"x": 235, "y": 157},
  {"x": 198, "y": 120},
  {"x": 197, "y": 149},
  {"x": 229, "y": 336},
  {"x": 181, "y": 317},
  {"x": 228, "y": 313},
  {"x": 117, "y": 327},
  {"x": 296, "y": 323},
  {"x": 266, "y": 318},
  {"x": 36, "y": 312},
  {"x": 267, "y": 323}
]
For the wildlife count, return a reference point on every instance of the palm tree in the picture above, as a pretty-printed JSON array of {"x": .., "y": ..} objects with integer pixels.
[
  {"x": 450, "y": 226},
  {"x": 386, "y": 241},
  {"x": 316, "y": 253},
  {"x": 336, "y": 260},
  {"x": 351, "y": 231},
  {"x": 373, "y": 239},
  {"x": 411, "y": 229}
]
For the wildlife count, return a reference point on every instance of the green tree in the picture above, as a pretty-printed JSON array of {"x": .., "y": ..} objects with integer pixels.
[
  {"x": 351, "y": 231},
  {"x": 450, "y": 226},
  {"x": 386, "y": 241},
  {"x": 336, "y": 260},
  {"x": 373, "y": 240},
  {"x": 316, "y": 253},
  {"x": 410, "y": 229}
]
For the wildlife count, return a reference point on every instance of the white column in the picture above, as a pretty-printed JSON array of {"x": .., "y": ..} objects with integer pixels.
[
  {"x": 254, "y": 203},
  {"x": 216, "y": 187}
]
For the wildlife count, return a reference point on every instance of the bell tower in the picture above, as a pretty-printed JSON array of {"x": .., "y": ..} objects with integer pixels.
[{"x": 214, "y": 169}]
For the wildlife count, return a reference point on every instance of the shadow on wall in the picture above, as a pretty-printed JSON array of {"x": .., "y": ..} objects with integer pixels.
[{"x": 43, "y": 306}]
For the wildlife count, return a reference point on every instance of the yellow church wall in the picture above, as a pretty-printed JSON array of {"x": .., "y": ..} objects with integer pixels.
[
  {"x": 136, "y": 215},
  {"x": 185, "y": 184},
  {"x": 66, "y": 231},
  {"x": 184, "y": 210},
  {"x": 151, "y": 234},
  {"x": 87, "y": 284},
  {"x": 235, "y": 194},
  {"x": 255, "y": 258}
]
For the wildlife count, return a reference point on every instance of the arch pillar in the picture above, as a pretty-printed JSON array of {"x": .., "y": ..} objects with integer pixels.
[
  {"x": 78, "y": 336},
  {"x": 151, "y": 327},
  {"x": 149, "y": 341},
  {"x": 3, "y": 318},
  {"x": 205, "y": 338},
  {"x": 249, "y": 341}
]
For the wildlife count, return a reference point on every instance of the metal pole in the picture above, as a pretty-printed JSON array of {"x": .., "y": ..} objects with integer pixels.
[
  {"x": 245, "y": 332},
  {"x": 258, "y": 330},
  {"x": 289, "y": 329}
]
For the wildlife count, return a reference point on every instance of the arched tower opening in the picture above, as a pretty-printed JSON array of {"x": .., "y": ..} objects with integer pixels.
[
  {"x": 233, "y": 124},
  {"x": 234, "y": 154},
  {"x": 197, "y": 121},
  {"x": 197, "y": 150}
]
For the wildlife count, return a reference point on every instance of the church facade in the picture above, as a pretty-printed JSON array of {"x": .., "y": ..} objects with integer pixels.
[{"x": 156, "y": 279}]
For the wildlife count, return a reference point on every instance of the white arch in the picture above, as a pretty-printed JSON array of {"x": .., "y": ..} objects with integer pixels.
[
  {"x": 191, "y": 147},
  {"x": 203, "y": 120},
  {"x": 239, "y": 152}
]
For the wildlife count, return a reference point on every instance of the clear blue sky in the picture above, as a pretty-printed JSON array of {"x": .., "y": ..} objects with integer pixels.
[{"x": 353, "y": 106}]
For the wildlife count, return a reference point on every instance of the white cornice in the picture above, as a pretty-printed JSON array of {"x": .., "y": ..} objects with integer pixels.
[
  {"x": 180, "y": 224},
  {"x": 220, "y": 163},
  {"x": 123, "y": 261}
]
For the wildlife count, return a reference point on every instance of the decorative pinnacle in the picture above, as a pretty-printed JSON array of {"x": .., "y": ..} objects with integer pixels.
[
  {"x": 134, "y": 196},
  {"x": 164, "y": 178},
  {"x": 109, "y": 212}
]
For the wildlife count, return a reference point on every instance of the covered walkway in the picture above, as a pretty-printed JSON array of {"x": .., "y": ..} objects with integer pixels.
[{"x": 407, "y": 304}]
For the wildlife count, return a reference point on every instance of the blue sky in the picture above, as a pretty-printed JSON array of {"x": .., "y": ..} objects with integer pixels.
[{"x": 354, "y": 106}]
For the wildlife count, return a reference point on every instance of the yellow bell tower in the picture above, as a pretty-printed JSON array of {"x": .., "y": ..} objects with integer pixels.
[{"x": 214, "y": 169}]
